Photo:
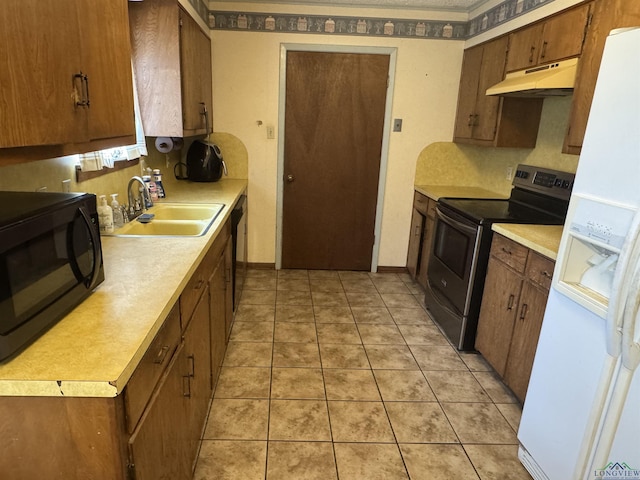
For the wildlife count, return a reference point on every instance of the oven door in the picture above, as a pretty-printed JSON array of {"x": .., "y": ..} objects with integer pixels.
[{"x": 453, "y": 259}]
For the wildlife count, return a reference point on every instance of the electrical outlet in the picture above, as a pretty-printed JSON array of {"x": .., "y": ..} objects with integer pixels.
[
  {"x": 270, "y": 132},
  {"x": 66, "y": 185},
  {"x": 509, "y": 175},
  {"x": 397, "y": 125}
]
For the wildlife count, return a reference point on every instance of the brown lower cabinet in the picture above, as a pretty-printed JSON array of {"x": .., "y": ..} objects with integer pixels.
[
  {"x": 422, "y": 223},
  {"x": 152, "y": 430},
  {"x": 515, "y": 295}
]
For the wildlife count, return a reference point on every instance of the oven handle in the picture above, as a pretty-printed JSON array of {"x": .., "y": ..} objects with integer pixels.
[{"x": 471, "y": 229}]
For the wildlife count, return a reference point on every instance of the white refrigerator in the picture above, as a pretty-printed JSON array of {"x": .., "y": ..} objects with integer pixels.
[{"x": 581, "y": 417}]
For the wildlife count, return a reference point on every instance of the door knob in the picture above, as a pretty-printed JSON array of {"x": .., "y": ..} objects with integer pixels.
[{"x": 290, "y": 178}]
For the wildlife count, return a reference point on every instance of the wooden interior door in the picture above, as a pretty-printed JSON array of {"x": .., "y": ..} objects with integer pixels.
[{"x": 334, "y": 119}]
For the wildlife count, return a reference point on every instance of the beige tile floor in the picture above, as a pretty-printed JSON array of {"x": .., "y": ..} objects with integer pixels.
[{"x": 343, "y": 375}]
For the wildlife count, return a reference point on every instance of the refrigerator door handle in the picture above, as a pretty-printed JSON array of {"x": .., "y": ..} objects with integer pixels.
[
  {"x": 621, "y": 288},
  {"x": 630, "y": 359}
]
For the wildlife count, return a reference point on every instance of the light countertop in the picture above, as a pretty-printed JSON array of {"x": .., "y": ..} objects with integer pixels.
[
  {"x": 94, "y": 350},
  {"x": 544, "y": 239},
  {"x": 435, "y": 192}
]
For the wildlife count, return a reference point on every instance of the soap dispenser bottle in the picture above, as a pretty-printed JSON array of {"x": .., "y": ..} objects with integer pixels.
[
  {"x": 105, "y": 216},
  {"x": 118, "y": 217}
]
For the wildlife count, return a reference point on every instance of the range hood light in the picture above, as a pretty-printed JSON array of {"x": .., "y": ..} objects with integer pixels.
[{"x": 553, "y": 79}]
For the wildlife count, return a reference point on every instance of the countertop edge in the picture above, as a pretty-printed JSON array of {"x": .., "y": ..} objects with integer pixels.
[
  {"x": 33, "y": 382},
  {"x": 435, "y": 192},
  {"x": 542, "y": 239}
]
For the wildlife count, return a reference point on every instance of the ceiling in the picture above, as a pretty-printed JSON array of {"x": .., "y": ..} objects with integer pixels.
[{"x": 448, "y": 5}]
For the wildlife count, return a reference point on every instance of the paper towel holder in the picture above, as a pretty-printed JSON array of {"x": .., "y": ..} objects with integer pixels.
[{"x": 167, "y": 144}]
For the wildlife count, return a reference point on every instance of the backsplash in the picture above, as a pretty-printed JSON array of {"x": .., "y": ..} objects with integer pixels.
[
  {"x": 446, "y": 163},
  {"x": 50, "y": 173}
]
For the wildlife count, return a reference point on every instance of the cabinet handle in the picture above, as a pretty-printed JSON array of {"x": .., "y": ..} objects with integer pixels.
[
  {"x": 162, "y": 354},
  {"x": 86, "y": 86},
  {"x": 192, "y": 365},
  {"x": 417, "y": 234},
  {"x": 83, "y": 100},
  {"x": 523, "y": 311},
  {"x": 199, "y": 284},
  {"x": 533, "y": 49},
  {"x": 186, "y": 392},
  {"x": 508, "y": 252},
  {"x": 546, "y": 274},
  {"x": 510, "y": 303},
  {"x": 470, "y": 121},
  {"x": 205, "y": 114},
  {"x": 544, "y": 49}
]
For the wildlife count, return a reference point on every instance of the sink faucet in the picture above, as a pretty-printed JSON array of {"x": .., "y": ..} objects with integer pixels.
[{"x": 146, "y": 196}]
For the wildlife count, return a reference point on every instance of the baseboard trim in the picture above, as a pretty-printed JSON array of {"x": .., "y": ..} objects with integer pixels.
[
  {"x": 382, "y": 269},
  {"x": 261, "y": 266},
  {"x": 272, "y": 266}
]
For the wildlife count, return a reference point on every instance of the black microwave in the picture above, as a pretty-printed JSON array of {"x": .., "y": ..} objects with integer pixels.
[{"x": 50, "y": 261}]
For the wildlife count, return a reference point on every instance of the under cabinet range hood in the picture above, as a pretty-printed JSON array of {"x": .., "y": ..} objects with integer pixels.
[{"x": 551, "y": 80}]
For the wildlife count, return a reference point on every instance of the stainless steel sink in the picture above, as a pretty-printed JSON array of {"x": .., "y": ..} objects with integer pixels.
[{"x": 174, "y": 220}]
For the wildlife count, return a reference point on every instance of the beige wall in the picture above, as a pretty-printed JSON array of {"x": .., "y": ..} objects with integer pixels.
[{"x": 246, "y": 91}]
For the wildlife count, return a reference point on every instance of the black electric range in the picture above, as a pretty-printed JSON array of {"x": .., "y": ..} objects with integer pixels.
[{"x": 462, "y": 242}]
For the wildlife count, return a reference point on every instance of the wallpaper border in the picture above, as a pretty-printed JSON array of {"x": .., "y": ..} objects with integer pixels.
[{"x": 365, "y": 26}]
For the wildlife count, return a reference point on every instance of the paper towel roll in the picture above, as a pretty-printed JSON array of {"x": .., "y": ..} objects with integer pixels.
[{"x": 164, "y": 144}]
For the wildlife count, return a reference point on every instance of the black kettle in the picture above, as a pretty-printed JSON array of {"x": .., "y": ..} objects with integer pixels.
[{"x": 205, "y": 162}]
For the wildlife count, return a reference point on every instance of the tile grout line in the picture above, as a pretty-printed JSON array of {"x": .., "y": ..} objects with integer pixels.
[{"x": 467, "y": 369}]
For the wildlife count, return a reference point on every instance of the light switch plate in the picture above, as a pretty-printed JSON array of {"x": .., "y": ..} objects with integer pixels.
[{"x": 397, "y": 125}]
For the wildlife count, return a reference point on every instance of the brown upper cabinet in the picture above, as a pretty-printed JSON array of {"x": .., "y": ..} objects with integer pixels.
[
  {"x": 493, "y": 121},
  {"x": 607, "y": 15},
  {"x": 65, "y": 75},
  {"x": 559, "y": 37},
  {"x": 172, "y": 64}
]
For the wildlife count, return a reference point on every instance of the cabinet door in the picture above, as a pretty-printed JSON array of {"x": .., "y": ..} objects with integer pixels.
[
  {"x": 523, "y": 47},
  {"x": 415, "y": 242},
  {"x": 606, "y": 16},
  {"x": 217, "y": 317},
  {"x": 499, "y": 307},
  {"x": 425, "y": 250},
  {"x": 159, "y": 447},
  {"x": 491, "y": 72},
  {"x": 197, "y": 352},
  {"x": 39, "y": 55},
  {"x": 104, "y": 29},
  {"x": 525, "y": 339},
  {"x": 563, "y": 35},
  {"x": 155, "y": 41},
  {"x": 468, "y": 92},
  {"x": 195, "y": 67}
]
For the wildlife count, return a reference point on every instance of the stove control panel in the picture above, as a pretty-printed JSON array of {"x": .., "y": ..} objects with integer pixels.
[{"x": 545, "y": 180}]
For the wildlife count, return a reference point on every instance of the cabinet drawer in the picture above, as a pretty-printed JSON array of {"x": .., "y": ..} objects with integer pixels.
[
  {"x": 151, "y": 367},
  {"x": 198, "y": 282},
  {"x": 540, "y": 270},
  {"x": 193, "y": 291},
  {"x": 421, "y": 203},
  {"x": 509, "y": 252}
]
